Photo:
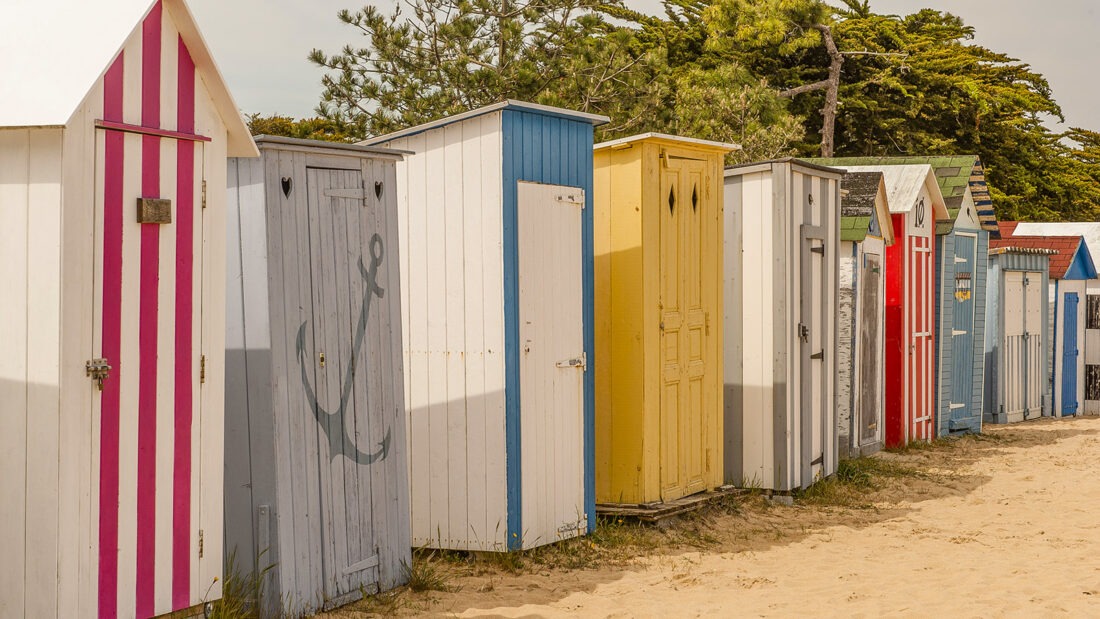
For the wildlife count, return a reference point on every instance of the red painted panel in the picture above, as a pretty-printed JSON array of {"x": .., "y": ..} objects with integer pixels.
[
  {"x": 149, "y": 324},
  {"x": 111, "y": 327},
  {"x": 184, "y": 338},
  {"x": 896, "y": 338}
]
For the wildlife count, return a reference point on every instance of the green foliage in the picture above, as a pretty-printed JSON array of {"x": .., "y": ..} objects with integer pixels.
[
  {"x": 307, "y": 128},
  {"x": 910, "y": 85}
]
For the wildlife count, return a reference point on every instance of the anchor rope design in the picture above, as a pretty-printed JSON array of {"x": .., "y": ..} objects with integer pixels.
[{"x": 341, "y": 443}]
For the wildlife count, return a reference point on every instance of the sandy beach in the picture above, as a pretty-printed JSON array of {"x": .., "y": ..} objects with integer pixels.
[{"x": 992, "y": 526}]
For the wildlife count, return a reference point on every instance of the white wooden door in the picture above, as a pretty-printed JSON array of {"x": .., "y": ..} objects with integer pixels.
[{"x": 552, "y": 361}]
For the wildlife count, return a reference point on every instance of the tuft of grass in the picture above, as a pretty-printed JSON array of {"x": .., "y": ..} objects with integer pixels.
[
  {"x": 385, "y": 604},
  {"x": 426, "y": 573},
  {"x": 242, "y": 593},
  {"x": 854, "y": 477}
]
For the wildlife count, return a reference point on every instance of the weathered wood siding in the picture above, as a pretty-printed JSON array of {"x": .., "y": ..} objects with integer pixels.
[
  {"x": 847, "y": 345},
  {"x": 785, "y": 424},
  {"x": 315, "y": 430}
]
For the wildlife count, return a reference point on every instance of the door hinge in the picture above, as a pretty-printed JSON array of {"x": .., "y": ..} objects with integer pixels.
[
  {"x": 200, "y": 543},
  {"x": 819, "y": 355},
  {"x": 820, "y": 249},
  {"x": 202, "y": 370},
  {"x": 98, "y": 370},
  {"x": 204, "y": 194}
]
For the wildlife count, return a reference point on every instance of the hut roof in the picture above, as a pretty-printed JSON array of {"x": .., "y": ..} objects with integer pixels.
[
  {"x": 1070, "y": 258},
  {"x": 546, "y": 110},
  {"x": 954, "y": 174},
  {"x": 903, "y": 187},
  {"x": 1089, "y": 230},
  {"x": 860, "y": 195},
  {"x": 54, "y": 51}
]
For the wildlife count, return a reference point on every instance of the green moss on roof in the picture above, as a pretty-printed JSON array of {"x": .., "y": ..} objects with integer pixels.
[{"x": 854, "y": 228}]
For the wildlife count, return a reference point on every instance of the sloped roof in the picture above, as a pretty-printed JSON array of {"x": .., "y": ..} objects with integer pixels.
[
  {"x": 903, "y": 187},
  {"x": 1089, "y": 230},
  {"x": 857, "y": 207},
  {"x": 1072, "y": 259},
  {"x": 53, "y": 51},
  {"x": 524, "y": 106},
  {"x": 664, "y": 137},
  {"x": 954, "y": 173}
]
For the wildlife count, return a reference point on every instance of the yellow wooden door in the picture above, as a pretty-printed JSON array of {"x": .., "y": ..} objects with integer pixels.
[{"x": 684, "y": 205}]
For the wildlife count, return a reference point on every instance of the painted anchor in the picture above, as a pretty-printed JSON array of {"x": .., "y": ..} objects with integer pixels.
[{"x": 340, "y": 442}]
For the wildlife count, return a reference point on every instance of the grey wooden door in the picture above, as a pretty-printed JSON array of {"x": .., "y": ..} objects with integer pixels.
[{"x": 345, "y": 253}]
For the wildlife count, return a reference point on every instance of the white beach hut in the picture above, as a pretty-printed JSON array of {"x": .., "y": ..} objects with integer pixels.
[{"x": 113, "y": 122}]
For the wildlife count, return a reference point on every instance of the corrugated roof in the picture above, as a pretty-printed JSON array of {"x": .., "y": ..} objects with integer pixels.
[
  {"x": 1066, "y": 248},
  {"x": 954, "y": 174},
  {"x": 53, "y": 51},
  {"x": 547, "y": 110}
]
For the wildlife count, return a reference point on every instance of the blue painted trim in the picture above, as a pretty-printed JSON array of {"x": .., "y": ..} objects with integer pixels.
[
  {"x": 543, "y": 148},
  {"x": 512, "y": 437},
  {"x": 1082, "y": 266},
  {"x": 1054, "y": 350}
]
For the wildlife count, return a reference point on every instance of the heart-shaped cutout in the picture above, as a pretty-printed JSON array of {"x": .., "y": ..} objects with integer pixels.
[
  {"x": 378, "y": 189},
  {"x": 287, "y": 184}
]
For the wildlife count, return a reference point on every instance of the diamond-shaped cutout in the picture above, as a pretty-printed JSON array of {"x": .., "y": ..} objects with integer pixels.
[
  {"x": 671, "y": 200},
  {"x": 695, "y": 198}
]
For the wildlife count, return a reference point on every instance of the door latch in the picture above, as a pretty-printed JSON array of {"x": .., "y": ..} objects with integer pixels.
[
  {"x": 803, "y": 332},
  {"x": 576, "y": 362},
  {"x": 98, "y": 370}
]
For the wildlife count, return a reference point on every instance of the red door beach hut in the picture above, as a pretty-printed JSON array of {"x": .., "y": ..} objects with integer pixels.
[
  {"x": 866, "y": 230},
  {"x": 916, "y": 204},
  {"x": 113, "y": 122}
]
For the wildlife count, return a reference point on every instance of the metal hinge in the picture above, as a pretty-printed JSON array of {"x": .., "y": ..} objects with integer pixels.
[
  {"x": 200, "y": 543},
  {"x": 204, "y": 194},
  {"x": 577, "y": 362},
  {"x": 202, "y": 370},
  {"x": 571, "y": 199},
  {"x": 818, "y": 250}
]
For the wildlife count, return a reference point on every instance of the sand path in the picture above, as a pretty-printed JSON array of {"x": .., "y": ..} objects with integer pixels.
[{"x": 1025, "y": 543}]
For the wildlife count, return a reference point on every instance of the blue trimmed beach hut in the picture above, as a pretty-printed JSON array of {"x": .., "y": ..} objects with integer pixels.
[{"x": 495, "y": 224}]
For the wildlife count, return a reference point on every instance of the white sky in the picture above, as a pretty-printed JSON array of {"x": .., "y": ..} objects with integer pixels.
[{"x": 261, "y": 45}]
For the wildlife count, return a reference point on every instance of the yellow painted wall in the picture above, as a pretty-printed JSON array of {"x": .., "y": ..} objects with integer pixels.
[{"x": 631, "y": 466}]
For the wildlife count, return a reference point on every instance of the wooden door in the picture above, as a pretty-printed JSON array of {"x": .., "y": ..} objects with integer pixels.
[
  {"x": 1069, "y": 355},
  {"x": 552, "y": 361},
  {"x": 869, "y": 422},
  {"x": 961, "y": 337},
  {"x": 1034, "y": 357},
  {"x": 147, "y": 310},
  {"x": 812, "y": 317},
  {"x": 337, "y": 349},
  {"x": 685, "y": 213},
  {"x": 920, "y": 312}
]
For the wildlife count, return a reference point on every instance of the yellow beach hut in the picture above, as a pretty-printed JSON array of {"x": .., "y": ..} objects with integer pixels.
[{"x": 658, "y": 280}]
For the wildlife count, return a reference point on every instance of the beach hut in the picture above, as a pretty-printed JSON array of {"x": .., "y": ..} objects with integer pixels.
[
  {"x": 658, "y": 278},
  {"x": 316, "y": 480},
  {"x": 1017, "y": 338},
  {"x": 782, "y": 230},
  {"x": 916, "y": 204},
  {"x": 113, "y": 122},
  {"x": 1091, "y": 305},
  {"x": 962, "y": 249},
  {"x": 866, "y": 230},
  {"x": 495, "y": 220},
  {"x": 1071, "y": 267}
]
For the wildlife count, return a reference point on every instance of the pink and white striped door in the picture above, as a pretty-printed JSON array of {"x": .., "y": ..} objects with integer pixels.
[
  {"x": 921, "y": 347},
  {"x": 148, "y": 303}
]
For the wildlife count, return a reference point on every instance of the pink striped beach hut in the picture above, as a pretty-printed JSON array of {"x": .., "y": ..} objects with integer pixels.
[{"x": 114, "y": 121}]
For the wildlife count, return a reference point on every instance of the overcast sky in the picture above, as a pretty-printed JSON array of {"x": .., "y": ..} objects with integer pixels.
[{"x": 261, "y": 45}]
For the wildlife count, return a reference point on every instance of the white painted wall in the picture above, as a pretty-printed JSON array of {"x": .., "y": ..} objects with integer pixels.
[{"x": 452, "y": 305}]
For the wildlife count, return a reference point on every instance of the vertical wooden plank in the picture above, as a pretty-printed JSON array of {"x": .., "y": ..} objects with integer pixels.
[
  {"x": 493, "y": 302},
  {"x": 474, "y": 162},
  {"x": 453, "y": 343},
  {"x": 14, "y": 458},
  {"x": 436, "y": 385}
]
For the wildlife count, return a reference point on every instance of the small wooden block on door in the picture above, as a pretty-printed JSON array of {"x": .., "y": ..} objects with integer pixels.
[{"x": 154, "y": 211}]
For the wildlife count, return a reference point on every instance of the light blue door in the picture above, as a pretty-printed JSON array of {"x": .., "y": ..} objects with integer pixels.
[
  {"x": 1069, "y": 355},
  {"x": 962, "y": 416}
]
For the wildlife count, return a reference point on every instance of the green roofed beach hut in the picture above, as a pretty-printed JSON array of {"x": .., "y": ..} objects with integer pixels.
[{"x": 962, "y": 250}]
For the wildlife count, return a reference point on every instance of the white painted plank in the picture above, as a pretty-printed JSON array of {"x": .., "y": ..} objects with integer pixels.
[
  {"x": 480, "y": 527},
  {"x": 453, "y": 346},
  {"x": 14, "y": 241}
]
